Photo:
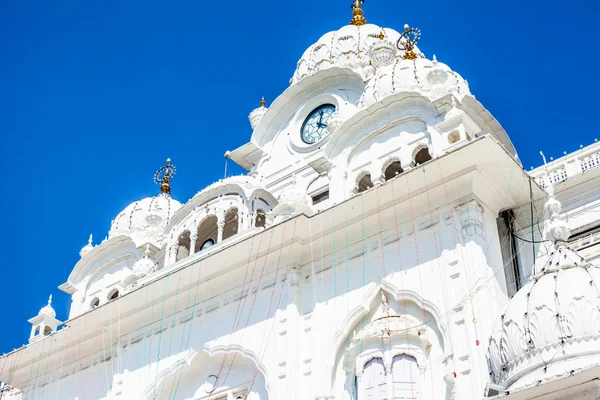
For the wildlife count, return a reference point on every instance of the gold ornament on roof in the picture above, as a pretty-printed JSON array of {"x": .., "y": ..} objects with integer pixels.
[
  {"x": 263, "y": 102},
  {"x": 411, "y": 36},
  {"x": 163, "y": 177},
  {"x": 358, "y": 17}
]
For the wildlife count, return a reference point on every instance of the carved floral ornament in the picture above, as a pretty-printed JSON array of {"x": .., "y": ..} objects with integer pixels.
[{"x": 471, "y": 218}]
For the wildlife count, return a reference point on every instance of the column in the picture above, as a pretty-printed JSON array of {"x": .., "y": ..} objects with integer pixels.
[
  {"x": 220, "y": 227},
  {"x": 173, "y": 253},
  {"x": 193, "y": 239}
]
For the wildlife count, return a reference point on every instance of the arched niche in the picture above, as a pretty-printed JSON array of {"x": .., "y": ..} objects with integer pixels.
[
  {"x": 183, "y": 245},
  {"x": 231, "y": 226},
  {"x": 390, "y": 323},
  {"x": 207, "y": 230},
  {"x": 225, "y": 375},
  {"x": 392, "y": 169},
  {"x": 421, "y": 155},
  {"x": 363, "y": 183}
]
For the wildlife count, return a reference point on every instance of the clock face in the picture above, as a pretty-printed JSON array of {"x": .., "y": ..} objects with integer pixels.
[{"x": 314, "y": 127}]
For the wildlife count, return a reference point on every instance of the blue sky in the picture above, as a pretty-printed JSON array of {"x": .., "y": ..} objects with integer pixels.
[{"x": 94, "y": 95}]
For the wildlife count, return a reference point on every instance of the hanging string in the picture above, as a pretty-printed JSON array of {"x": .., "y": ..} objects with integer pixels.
[
  {"x": 347, "y": 259},
  {"x": 389, "y": 332},
  {"x": 191, "y": 324},
  {"x": 416, "y": 243},
  {"x": 31, "y": 391},
  {"x": 171, "y": 327},
  {"x": 253, "y": 303},
  {"x": 242, "y": 304},
  {"x": 45, "y": 381},
  {"x": 401, "y": 271},
  {"x": 149, "y": 337},
  {"x": 266, "y": 338},
  {"x": 437, "y": 255},
  {"x": 162, "y": 328},
  {"x": 465, "y": 269},
  {"x": 67, "y": 335}
]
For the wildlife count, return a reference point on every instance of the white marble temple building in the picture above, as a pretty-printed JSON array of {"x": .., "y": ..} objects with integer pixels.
[{"x": 385, "y": 244}]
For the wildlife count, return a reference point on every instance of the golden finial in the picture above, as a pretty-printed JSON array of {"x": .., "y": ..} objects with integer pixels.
[
  {"x": 263, "y": 102},
  {"x": 411, "y": 37},
  {"x": 381, "y": 35},
  {"x": 358, "y": 18},
  {"x": 163, "y": 177}
]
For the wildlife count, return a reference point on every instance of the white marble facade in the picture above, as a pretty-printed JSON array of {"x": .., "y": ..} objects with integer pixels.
[{"x": 367, "y": 262}]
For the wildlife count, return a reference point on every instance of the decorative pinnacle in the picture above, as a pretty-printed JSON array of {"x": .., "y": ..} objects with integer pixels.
[
  {"x": 163, "y": 177},
  {"x": 381, "y": 35},
  {"x": 263, "y": 102},
  {"x": 411, "y": 36},
  {"x": 358, "y": 18},
  {"x": 50, "y": 300}
]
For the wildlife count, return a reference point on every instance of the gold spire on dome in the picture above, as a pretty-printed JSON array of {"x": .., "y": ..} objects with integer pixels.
[
  {"x": 263, "y": 102},
  {"x": 163, "y": 177},
  {"x": 411, "y": 37},
  {"x": 358, "y": 17}
]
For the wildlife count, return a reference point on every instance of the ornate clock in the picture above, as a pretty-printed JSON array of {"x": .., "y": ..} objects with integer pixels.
[{"x": 314, "y": 127}]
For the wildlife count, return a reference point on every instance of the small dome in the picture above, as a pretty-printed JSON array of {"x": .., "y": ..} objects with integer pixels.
[
  {"x": 145, "y": 220},
  {"x": 256, "y": 115},
  {"x": 429, "y": 78},
  {"x": 292, "y": 194},
  {"x": 143, "y": 265},
  {"x": 47, "y": 309},
  {"x": 346, "y": 47},
  {"x": 87, "y": 248},
  {"x": 553, "y": 322}
]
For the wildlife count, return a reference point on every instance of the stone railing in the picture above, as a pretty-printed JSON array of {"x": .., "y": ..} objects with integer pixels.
[
  {"x": 586, "y": 241},
  {"x": 568, "y": 166}
]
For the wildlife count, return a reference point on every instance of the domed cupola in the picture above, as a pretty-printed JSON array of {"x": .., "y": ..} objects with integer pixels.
[
  {"x": 410, "y": 73},
  {"x": 291, "y": 202},
  {"x": 87, "y": 248},
  {"x": 357, "y": 46},
  {"x": 551, "y": 326},
  {"x": 145, "y": 220},
  {"x": 256, "y": 115}
]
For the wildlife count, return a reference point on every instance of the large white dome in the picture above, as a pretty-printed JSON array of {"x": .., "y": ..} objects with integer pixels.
[
  {"x": 431, "y": 79},
  {"x": 145, "y": 220},
  {"x": 552, "y": 324},
  {"x": 346, "y": 47}
]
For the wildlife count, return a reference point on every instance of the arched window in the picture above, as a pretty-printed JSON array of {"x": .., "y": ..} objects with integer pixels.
[
  {"x": 405, "y": 372},
  {"x": 231, "y": 223},
  {"x": 364, "y": 183},
  {"x": 261, "y": 219},
  {"x": 453, "y": 137},
  {"x": 37, "y": 331},
  {"x": 422, "y": 156},
  {"x": 392, "y": 170},
  {"x": 113, "y": 294},
  {"x": 183, "y": 248},
  {"x": 373, "y": 381},
  {"x": 47, "y": 330},
  {"x": 207, "y": 231},
  {"x": 95, "y": 302},
  {"x": 207, "y": 244}
]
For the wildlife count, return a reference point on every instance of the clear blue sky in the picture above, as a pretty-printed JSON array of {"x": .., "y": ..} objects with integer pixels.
[{"x": 94, "y": 95}]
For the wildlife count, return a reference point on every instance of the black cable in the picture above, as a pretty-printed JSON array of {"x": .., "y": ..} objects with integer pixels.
[
  {"x": 529, "y": 241},
  {"x": 531, "y": 208}
]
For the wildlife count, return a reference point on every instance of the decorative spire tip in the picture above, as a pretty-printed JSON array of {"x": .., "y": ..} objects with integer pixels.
[
  {"x": 358, "y": 15},
  {"x": 408, "y": 40},
  {"x": 164, "y": 175},
  {"x": 263, "y": 102}
]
